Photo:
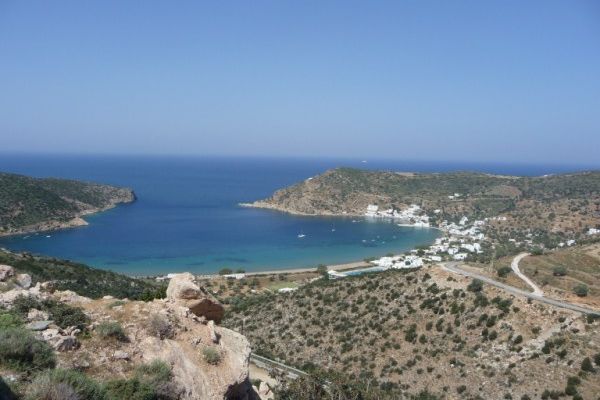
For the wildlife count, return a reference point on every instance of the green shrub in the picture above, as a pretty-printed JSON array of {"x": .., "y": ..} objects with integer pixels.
[
  {"x": 63, "y": 315},
  {"x": 149, "y": 382},
  {"x": 476, "y": 285},
  {"x": 155, "y": 373},
  {"x": 559, "y": 271},
  {"x": 20, "y": 350},
  {"x": 503, "y": 271},
  {"x": 66, "y": 316},
  {"x": 10, "y": 320},
  {"x": 59, "y": 384},
  {"x": 581, "y": 290},
  {"x": 211, "y": 355},
  {"x": 586, "y": 365},
  {"x": 225, "y": 271},
  {"x": 159, "y": 326},
  {"x": 111, "y": 330}
]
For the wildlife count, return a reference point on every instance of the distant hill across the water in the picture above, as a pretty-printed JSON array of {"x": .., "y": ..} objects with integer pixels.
[
  {"x": 34, "y": 204},
  {"x": 553, "y": 207}
]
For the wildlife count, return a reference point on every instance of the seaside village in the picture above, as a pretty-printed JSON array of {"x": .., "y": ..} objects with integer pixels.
[{"x": 460, "y": 239}]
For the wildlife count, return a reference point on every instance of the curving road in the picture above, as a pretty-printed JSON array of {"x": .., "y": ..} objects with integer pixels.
[
  {"x": 515, "y": 267},
  {"x": 453, "y": 267}
]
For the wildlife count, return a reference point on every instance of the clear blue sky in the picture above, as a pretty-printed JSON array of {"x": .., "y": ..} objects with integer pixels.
[{"x": 471, "y": 80}]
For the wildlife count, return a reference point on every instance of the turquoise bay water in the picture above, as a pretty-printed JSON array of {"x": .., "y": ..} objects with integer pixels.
[{"x": 187, "y": 216}]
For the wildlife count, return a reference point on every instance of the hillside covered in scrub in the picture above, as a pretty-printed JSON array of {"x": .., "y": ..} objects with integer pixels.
[
  {"x": 424, "y": 333},
  {"x": 80, "y": 278},
  {"x": 35, "y": 204},
  {"x": 553, "y": 203}
]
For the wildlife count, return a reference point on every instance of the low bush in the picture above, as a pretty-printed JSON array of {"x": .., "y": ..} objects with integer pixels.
[
  {"x": 559, "y": 271},
  {"x": 10, "y": 320},
  {"x": 586, "y": 365},
  {"x": 476, "y": 285},
  {"x": 63, "y": 315},
  {"x": 111, "y": 330},
  {"x": 59, "y": 384},
  {"x": 20, "y": 350},
  {"x": 211, "y": 355},
  {"x": 581, "y": 290},
  {"x": 503, "y": 272},
  {"x": 159, "y": 326}
]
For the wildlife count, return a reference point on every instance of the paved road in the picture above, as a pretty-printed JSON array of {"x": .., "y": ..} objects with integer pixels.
[
  {"x": 515, "y": 267},
  {"x": 453, "y": 267}
]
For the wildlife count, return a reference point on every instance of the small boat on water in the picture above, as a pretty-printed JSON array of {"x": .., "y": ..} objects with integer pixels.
[{"x": 301, "y": 235}]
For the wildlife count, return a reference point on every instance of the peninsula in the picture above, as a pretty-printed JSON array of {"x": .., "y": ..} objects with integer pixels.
[
  {"x": 514, "y": 213},
  {"x": 41, "y": 204}
]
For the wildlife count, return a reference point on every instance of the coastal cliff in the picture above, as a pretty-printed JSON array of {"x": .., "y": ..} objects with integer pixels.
[{"x": 41, "y": 204}]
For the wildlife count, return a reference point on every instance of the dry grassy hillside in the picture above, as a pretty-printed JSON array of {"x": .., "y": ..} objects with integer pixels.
[{"x": 410, "y": 331}]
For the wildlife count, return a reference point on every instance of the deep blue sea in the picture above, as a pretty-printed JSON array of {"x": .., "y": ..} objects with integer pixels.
[{"x": 187, "y": 216}]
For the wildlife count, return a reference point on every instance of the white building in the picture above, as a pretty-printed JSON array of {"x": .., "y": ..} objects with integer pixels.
[{"x": 460, "y": 256}]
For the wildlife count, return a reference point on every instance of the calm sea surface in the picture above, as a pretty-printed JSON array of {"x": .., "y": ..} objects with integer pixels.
[{"x": 187, "y": 218}]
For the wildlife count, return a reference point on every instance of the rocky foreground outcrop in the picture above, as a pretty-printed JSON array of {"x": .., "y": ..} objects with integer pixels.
[
  {"x": 207, "y": 361},
  {"x": 184, "y": 291}
]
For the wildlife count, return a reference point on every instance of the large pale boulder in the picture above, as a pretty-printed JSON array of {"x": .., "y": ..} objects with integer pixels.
[
  {"x": 183, "y": 290},
  {"x": 182, "y": 287}
]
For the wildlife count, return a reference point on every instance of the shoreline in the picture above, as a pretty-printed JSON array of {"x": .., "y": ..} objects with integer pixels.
[
  {"x": 330, "y": 267},
  {"x": 53, "y": 225}
]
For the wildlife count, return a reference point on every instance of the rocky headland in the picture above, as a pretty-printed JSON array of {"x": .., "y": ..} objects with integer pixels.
[{"x": 29, "y": 205}]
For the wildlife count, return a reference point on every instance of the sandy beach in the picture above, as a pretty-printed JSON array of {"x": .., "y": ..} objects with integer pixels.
[{"x": 336, "y": 267}]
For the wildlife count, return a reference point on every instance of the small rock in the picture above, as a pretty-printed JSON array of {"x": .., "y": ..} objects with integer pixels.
[
  {"x": 81, "y": 364},
  {"x": 49, "y": 286},
  {"x": 120, "y": 355},
  {"x": 23, "y": 280},
  {"x": 6, "y": 271},
  {"x": 37, "y": 315},
  {"x": 65, "y": 343},
  {"x": 211, "y": 329},
  {"x": 69, "y": 296},
  {"x": 49, "y": 334},
  {"x": 71, "y": 331},
  {"x": 108, "y": 297},
  {"x": 39, "y": 325}
]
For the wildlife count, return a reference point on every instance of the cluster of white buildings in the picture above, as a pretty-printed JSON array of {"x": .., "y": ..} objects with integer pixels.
[
  {"x": 465, "y": 230},
  {"x": 412, "y": 215},
  {"x": 593, "y": 231},
  {"x": 399, "y": 262}
]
